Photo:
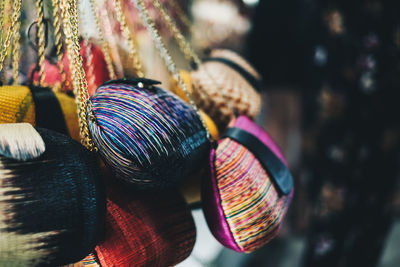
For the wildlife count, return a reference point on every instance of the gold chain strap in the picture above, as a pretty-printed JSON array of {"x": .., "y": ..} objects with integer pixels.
[
  {"x": 104, "y": 45},
  {"x": 58, "y": 43},
  {"x": 165, "y": 55},
  {"x": 133, "y": 53},
  {"x": 6, "y": 44},
  {"x": 70, "y": 46},
  {"x": 181, "y": 14},
  {"x": 89, "y": 63},
  {"x": 185, "y": 47},
  {"x": 71, "y": 27},
  {"x": 15, "y": 52},
  {"x": 41, "y": 40}
]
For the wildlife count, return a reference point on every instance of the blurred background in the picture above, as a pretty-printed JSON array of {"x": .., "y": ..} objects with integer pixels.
[{"x": 331, "y": 70}]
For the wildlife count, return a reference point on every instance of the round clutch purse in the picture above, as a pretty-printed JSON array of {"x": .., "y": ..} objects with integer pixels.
[
  {"x": 40, "y": 107},
  {"x": 226, "y": 85},
  {"x": 52, "y": 206},
  {"x": 249, "y": 189},
  {"x": 150, "y": 137},
  {"x": 145, "y": 230}
]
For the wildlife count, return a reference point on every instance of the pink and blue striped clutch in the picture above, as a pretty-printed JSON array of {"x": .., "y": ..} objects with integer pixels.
[{"x": 250, "y": 188}]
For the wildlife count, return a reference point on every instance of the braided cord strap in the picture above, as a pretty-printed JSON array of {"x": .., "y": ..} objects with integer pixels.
[
  {"x": 165, "y": 55},
  {"x": 6, "y": 43},
  {"x": 133, "y": 53}
]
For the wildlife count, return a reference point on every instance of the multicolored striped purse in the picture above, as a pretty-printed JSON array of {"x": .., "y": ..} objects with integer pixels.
[
  {"x": 250, "y": 188},
  {"x": 150, "y": 137}
]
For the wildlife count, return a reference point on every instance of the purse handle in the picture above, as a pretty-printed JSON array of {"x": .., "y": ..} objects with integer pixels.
[
  {"x": 69, "y": 13},
  {"x": 128, "y": 35},
  {"x": 187, "y": 49},
  {"x": 103, "y": 43},
  {"x": 4, "y": 49},
  {"x": 165, "y": 55}
]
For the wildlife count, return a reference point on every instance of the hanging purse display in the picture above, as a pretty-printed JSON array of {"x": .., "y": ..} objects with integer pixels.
[
  {"x": 250, "y": 188},
  {"x": 52, "y": 202},
  {"x": 145, "y": 230}
]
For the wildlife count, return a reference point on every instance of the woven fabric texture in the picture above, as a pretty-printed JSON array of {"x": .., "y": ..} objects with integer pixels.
[
  {"x": 55, "y": 205},
  {"x": 146, "y": 230},
  {"x": 250, "y": 209},
  {"x": 150, "y": 137},
  {"x": 16, "y": 105},
  {"x": 222, "y": 92}
]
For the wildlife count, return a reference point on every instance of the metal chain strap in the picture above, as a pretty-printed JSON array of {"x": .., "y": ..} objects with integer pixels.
[
  {"x": 82, "y": 95},
  {"x": 58, "y": 43},
  {"x": 188, "y": 50},
  {"x": 181, "y": 14},
  {"x": 103, "y": 43},
  {"x": 41, "y": 40},
  {"x": 184, "y": 45},
  {"x": 165, "y": 55},
  {"x": 16, "y": 51},
  {"x": 6, "y": 44},
  {"x": 127, "y": 33}
]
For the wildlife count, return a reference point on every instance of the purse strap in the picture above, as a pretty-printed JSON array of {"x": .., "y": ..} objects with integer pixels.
[
  {"x": 187, "y": 49},
  {"x": 41, "y": 39},
  {"x": 253, "y": 81},
  {"x": 103, "y": 43},
  {"x": 58, "y": 43},
  {"x": 165, "y": 55},
  {"x": 70, "y": 26},
  {"x": 275, "y": 168},
  {"x": 128, "y": 35},
  {"x": 5, "y": 44}
]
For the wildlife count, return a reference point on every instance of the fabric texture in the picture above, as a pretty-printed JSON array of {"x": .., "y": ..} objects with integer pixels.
[
  {"x": 242, "y": 205},
  {"x": 150, "y": 137},
  {"x": 55, "y": 205},
  {"x": 222, "y": 92},
  {"x": 145, "y": 230},
  {"x": 17, "y": 105}
]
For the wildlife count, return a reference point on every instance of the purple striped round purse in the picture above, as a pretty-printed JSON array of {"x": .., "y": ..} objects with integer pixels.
[{"x": 248, "y": 194}]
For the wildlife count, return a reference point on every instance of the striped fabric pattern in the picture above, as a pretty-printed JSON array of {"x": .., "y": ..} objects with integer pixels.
[
  {"x": 251, "y": 204},
  {"x": 148, "y": 136}
]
